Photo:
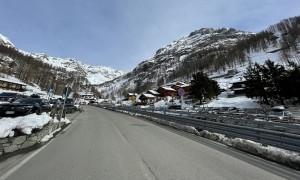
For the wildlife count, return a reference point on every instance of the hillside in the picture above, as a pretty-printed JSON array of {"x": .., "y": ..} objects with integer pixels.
[
  {"x": 214, "y": 51},
  {"x": 18, "y": 63}
]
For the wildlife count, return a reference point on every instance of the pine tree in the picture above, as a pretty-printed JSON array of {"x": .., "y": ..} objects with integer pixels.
[
  {"x": 255, "y": 83},
  {"x": 273, "y": 76},
  {"x": 203, "y": 87}
]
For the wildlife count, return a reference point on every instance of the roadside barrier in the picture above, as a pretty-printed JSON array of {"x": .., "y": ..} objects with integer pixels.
[{"x": 284, "y": 140}]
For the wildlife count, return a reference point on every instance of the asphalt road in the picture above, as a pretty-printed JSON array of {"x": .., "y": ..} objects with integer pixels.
[{"x": 100, "y": 144}]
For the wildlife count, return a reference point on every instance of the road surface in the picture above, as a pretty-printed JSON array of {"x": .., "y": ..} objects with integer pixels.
[{"x": 101, "y": 144}]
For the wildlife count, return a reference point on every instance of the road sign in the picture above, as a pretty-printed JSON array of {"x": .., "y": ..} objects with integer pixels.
[
  {"x": 50, "y": 91},
  {"x": 181, "y": 92}
]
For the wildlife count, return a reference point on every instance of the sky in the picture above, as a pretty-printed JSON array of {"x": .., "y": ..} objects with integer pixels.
[{"x": 122, "y": 33}]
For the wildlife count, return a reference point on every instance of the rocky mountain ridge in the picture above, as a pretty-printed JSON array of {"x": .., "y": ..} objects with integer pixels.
[
  {"x": 155, "y": 71},
  {"x": 94, "y": 74}
]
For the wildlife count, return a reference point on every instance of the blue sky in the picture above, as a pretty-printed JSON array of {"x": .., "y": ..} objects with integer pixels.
[{"x": 122, "y": 33}]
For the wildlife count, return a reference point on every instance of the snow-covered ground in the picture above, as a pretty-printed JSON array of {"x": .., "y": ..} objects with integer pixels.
[
  {"x": 239, "y": 102},
  {"x": 25, "y": 124},
  {"x": 221, "y": 101}
]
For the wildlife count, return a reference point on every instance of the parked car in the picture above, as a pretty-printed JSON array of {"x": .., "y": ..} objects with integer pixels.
[
  {"x": 24, "y": 106},
  {"x": 227, "y": 110},
  {"x": 53, "y": 102},
  {"x": 280, "y": 114},
  {"x": 214, "y": 110},
  {"x": 10, "y": 96},
  {"x": 204, "y": 110},
  {"x": 255, "y": 113},
  {"x": 35, "y": 96},
  {"x": 69, "y": 107},
  {"x": 176, "y": 107}
]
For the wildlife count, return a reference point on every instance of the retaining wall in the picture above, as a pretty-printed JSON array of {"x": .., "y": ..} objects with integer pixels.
[{"x": 12, "y": 144}]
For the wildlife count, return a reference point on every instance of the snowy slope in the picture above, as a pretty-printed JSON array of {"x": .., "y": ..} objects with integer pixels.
[
  {"x": 173, "y": 55},
  {"x": 4, "y": 40},
  {"x": 94, "y": 74}
]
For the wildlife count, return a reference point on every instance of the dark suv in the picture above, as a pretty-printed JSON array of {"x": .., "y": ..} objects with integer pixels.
[
  {"x": 69, "y": 104},
  {"x": 10, "y": 96},
  {"x": 24, "y": 106}
]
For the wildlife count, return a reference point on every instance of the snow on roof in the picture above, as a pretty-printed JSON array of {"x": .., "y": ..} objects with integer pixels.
[
  {"x": 132, "y": 94},
  {"x": 154, "y": 92},
  {"x": 278, "y": 108},
  {"x": 149, "y": 95},
  {"x": 86, "y": 94},
  {"x": 13, "y": 80},
  {"x": 168, "y": 88},
  {"x": 185, "y": 85}
]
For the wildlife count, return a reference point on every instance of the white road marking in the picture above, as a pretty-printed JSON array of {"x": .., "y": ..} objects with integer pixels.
[
  {"x": 11, "y": 171},
  {"x": 15, "y": 168}
]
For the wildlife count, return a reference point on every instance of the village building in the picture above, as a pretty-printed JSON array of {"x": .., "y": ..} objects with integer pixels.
[
  {"x": 87, "y": 95},
  {"x": 147, "y": 98},
  {"x": 167, "y": 91},
  {"x": 231, "y": 73},
  {"x": 12, "y": 85},
  {"x": 155, "y": 93},
  {"x": 131, "y": 97},
  {"x": 238, "y": 88}
]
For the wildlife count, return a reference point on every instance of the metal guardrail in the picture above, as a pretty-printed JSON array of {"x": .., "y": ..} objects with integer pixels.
[{"x": 278, "y": 139}]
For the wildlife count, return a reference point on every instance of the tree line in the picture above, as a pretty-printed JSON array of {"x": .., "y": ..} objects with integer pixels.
[
  {"x": 272, "y": 82},
  {"x": 220, "y": 58}
]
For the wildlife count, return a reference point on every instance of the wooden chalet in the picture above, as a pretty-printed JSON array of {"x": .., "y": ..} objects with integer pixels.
[
  {"x": 155, "y": 93},
  {"x": 12, "y": 85},
  {"x": 147, "y": 98},
  {"x": 87, "y": 95},
  {"x": 238, "y": 88},
  {"x": 167, "y": 91},
  {"x": 131, "y": 97}
]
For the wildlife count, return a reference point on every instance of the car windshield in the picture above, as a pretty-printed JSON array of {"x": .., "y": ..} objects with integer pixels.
[
  {"x": 276, "y": 113},
  {"x": 53, "y": 101},
  {"x": 8, "y": 94},
  {"x": 205, "y": 109},
  {"x": 224, "y": 109},
  {"x": 27, "y": 101},
  {"x": 251, "y": 111}
]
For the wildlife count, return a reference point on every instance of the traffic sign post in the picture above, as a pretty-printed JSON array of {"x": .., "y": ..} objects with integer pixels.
[
  {"x": 66, "y": 92},
  {"x": 181, "y": 93}
]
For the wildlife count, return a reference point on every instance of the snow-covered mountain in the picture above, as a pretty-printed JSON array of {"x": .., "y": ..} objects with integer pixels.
[
  {"x": 214, "y": 51},
  {"x": 4, "y": 40},
  {"x": 172, "y": 56},
  {"x": 94, "y": 74},
  {"x": 204, "y": 38}
]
